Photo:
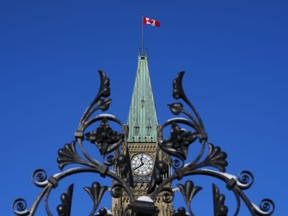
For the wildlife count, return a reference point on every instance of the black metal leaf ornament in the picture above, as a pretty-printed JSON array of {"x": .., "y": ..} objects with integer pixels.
[
  {"x": 219, "y": 199},
  {"x": 177, "y": 108},
  {"x": 178, "y": 142},
  {"x": 188, "y": 192},
  {"x": 177, "y": 87},
  {"x": 104, "y": 90},
  {"x": 216, "y": 158},
  {"x": 69, "y": 155},
  {"x": 96, "y": 193},
  {"x": 64, "y": 209},
  {"x": 98, "y": 102}
]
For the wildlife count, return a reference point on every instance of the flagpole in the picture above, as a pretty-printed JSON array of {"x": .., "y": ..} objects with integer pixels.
[{"x": 142, "y": 34}]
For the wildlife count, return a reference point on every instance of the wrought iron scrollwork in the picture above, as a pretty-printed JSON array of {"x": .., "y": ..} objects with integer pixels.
[
  {"x": 214, "y": 163},
  {"x": 106, "y": 140},
  {"x": 115, "y": 163}
]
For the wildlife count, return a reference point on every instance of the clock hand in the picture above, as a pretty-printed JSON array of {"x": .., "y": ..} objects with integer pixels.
[{"x": 139, "y": 166}]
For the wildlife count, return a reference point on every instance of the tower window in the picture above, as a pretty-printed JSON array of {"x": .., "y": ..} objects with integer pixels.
[
  {"x": 149, "y": 128},
  {"x": 136, "y": 130},
  {"x": 142, "y": 102}
]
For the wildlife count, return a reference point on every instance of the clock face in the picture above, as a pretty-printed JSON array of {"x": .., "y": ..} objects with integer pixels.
[{"x": 142, "y": 164}]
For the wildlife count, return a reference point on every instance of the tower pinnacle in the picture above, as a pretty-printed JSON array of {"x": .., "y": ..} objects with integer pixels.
[{"x": 142, "y": 119}]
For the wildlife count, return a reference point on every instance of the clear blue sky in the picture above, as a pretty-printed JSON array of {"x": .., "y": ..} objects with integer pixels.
[{"x": 234, "y": 54}]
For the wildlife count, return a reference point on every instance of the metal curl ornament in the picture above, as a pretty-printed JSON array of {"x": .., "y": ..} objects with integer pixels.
[
  {"x": 109, "y": 160},
  {"x": 267, "y": 206},
  {"x": 39, "y": 177},
  {"x": 168, "y": 195},
  {"x": 246, "y": 179},
  {"x": 19, "y": 207},
  {"x": 177, "y": 163},
  {"x": 116, "y": 191}
]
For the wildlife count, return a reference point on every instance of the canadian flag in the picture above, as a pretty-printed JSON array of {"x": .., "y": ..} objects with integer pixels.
[{"x": 152, "y": 22}]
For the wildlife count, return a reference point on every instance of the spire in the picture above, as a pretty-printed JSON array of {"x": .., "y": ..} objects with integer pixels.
[{"x": 142, "y": 119}]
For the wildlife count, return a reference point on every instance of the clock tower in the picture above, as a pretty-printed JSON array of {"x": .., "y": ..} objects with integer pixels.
[{"x": 142, "y": 142}]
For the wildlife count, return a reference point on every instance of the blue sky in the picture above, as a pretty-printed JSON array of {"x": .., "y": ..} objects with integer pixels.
[{"x": 234, "y": 54}]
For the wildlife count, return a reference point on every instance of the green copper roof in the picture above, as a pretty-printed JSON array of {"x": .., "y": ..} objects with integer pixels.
[{"x": 142, "y": 119}]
